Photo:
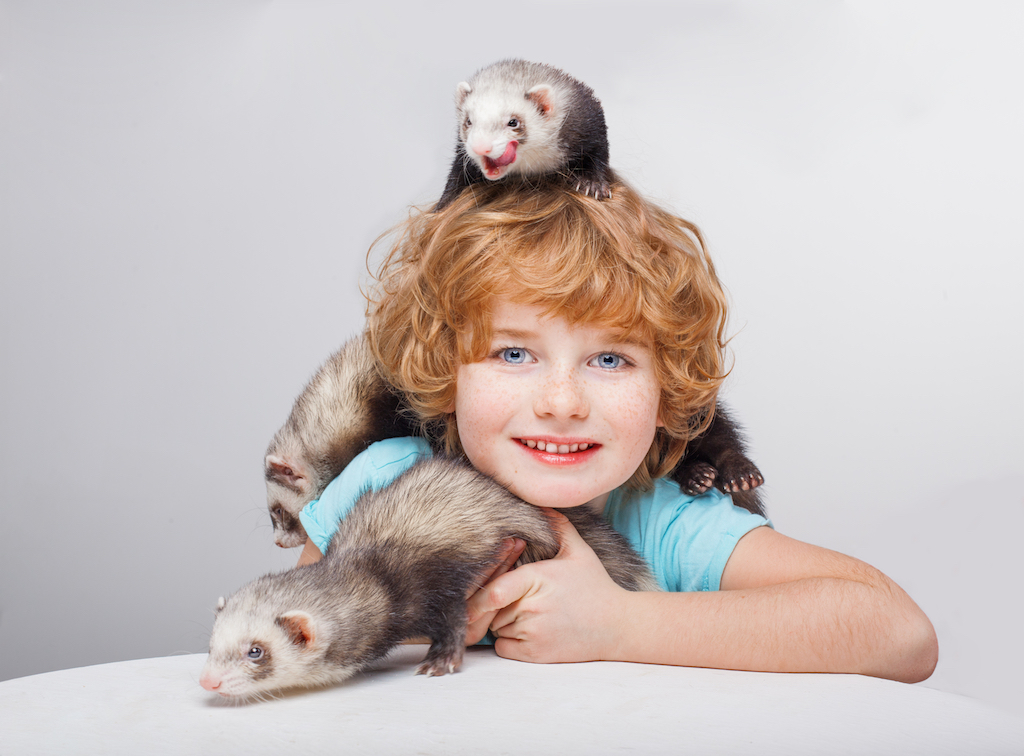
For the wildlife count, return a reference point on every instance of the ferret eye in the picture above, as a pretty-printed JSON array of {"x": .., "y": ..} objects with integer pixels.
[
  {"x": 255, "y": 653},
  {"x": 468, "y": 123},
  {"x": 276, "y": 512},
  {"x": 514, "y": 123}
]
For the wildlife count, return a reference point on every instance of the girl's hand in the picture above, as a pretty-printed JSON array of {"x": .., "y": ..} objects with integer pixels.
[
  {"x": 477, "y": 627},
  {"x": 559, "y": 610}
]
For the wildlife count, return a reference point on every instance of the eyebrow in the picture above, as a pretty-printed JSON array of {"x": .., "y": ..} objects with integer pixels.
[
  {"x": 511, "y": 333},
  {"x": 519, "y": 334}
]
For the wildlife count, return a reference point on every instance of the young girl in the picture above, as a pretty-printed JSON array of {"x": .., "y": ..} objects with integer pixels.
[{"x": 564, "y": 346}]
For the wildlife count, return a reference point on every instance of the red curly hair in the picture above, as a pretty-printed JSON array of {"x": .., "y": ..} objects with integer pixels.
[{"x": 621, "y": 263}]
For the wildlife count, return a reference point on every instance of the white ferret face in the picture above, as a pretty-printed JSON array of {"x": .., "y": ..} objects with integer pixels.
[
  {"x": 256, "y": 651},
  {"x": 505, "y": 130}
]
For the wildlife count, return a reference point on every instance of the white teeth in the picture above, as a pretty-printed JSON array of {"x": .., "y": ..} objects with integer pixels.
[{"x": 555, "y": 448}]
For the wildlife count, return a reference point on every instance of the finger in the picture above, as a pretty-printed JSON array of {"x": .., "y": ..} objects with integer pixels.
[
  {"x": 479, "y": 619},
  {"x": 476, "y": 630},
  {"x": 501, "y": 592},
  {"x": 569, "y": 538},
  {"x": 512, "y": 549},
  {"x": 504, "y": 623}
]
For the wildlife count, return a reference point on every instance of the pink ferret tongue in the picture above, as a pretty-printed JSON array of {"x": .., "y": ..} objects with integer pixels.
[{"x": 507, "y": 158}]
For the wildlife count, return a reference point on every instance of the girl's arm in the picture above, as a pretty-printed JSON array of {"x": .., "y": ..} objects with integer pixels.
[
  {"x": 785, "y": 606},
  {"x": 310, "y": 553}
]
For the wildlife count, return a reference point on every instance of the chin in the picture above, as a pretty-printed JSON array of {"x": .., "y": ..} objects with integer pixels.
[{"x": 552, "y": 497}]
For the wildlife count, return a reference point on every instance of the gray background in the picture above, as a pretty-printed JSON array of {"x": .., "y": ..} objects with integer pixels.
[{"x": 188, "y": 191}]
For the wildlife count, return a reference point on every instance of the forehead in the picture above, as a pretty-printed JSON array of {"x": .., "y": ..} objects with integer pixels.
[{"x": 510, "y": 318}]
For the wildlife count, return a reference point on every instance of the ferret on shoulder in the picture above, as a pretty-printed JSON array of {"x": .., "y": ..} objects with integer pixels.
[
  {"x": 399, "y": 567},
  {"x": 518, "y": 118},
  {"x": 718, "y": 457},
  {"x": 345, "y": 407}
]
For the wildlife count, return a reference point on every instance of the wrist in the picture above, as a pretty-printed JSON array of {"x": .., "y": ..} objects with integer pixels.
[{"x": 623, "y": 621}]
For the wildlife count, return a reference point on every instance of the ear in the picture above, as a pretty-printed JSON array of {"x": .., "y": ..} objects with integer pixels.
[
  {"x": 287, "y": 473},
  {"x": 540, "y": 96},
  {"x": 461, "y": 91},
  {"x": 299, "y": 627},
  {"x": 220, "y": 603}
]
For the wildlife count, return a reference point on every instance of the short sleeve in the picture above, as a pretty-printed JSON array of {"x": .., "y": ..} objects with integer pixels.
[
  {"x": 371, "y": 470},
  {"x": 686, "y": 540}
]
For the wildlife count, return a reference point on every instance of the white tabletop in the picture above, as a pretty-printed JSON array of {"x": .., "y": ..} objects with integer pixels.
[{"x": 496, "y": 706}]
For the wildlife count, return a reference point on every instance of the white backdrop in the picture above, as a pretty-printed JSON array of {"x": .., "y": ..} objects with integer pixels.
[{"x": 188, "y": 191}]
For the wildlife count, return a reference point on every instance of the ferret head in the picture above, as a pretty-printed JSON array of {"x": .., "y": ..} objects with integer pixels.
[
  {"x": 289, "y": 489},
  {"x": 506, "y": 128},
  {"x": 258, "y": 647}
]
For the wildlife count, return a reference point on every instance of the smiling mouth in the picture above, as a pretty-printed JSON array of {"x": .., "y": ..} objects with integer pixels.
[{"x": 550, "y": 448}]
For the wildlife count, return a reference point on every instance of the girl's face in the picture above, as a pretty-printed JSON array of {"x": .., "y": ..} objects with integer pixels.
[{"x": 560, "y": 415}]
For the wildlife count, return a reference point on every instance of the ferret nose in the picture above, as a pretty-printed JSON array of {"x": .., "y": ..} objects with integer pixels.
[
  {"x": 481, "y": 148},
  {"x": 210, "y": 683}
]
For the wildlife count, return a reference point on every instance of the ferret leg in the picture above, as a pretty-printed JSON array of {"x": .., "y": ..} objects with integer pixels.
[
  {"x": 737, "y": 473},
  {"x": 592, "y": 179},
  {"x": 718, "y": 457},
  {"x": 448, "y": 642},
  {"x": 444, "y": 657},
  {"x": 695, "y": 476}
]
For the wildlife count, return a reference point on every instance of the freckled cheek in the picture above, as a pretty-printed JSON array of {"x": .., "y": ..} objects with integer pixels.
[
  {"x": 639, "y": 413},
  {"x": 481, "y": 409}
]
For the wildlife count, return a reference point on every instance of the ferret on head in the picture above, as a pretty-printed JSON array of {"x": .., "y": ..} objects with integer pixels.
[{"x": 517, "y": 118}]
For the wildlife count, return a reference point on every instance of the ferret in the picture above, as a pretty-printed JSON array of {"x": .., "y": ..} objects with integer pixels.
[
  {"x": 526, "y": 119},
  {"x": 400, "y": 566},
  {"x": 347, "y": 405},
  {"x": 718, "y": 457}
]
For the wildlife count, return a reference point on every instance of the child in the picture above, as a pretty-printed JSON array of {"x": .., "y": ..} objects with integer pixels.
[{"x": 564, "y": 346}]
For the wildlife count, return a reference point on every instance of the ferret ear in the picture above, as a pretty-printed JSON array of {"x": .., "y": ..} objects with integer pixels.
[
  {"x": 461, "y": 91},
  {"x": 220, "y": 603},
  {"x": 541, "y": 96},
  {"x": 299, "y": 627},
  {"x": 287, "y": 473}
]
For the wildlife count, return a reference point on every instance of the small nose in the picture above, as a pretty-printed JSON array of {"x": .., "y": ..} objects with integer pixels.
[
  {"x": 483, "y": 148},
  {"x": 563, "y": 395},
  {"x": 209, "y": 682}
]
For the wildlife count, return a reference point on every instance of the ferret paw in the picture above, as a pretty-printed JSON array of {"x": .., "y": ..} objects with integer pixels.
[
  {"x": 696, "y": 478},
  {"x": 596, "y": 188},
  {"x": 442, "y": 664},
  {"x": 745, "y": 479}
]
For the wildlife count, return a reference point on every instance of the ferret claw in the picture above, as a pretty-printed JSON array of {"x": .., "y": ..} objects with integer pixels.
[
  {"x": 698, "y": 479},
  {"x": 596, "y": 189},
  {"x": 746, "y": 482},
  {"x": 436, "y": 667}
]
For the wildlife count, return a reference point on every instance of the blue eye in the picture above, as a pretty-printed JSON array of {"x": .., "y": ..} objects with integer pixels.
[
  {"x": 514, "y": 355},
  {"x": 608, "y": 360},
  {"x": 255, "y": 653}
]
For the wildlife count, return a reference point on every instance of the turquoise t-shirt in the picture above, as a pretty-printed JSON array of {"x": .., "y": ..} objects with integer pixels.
[{"x": 685, "y": 539}]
